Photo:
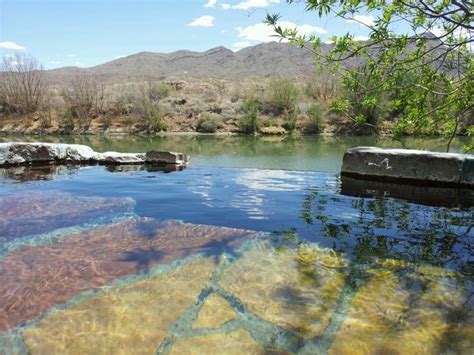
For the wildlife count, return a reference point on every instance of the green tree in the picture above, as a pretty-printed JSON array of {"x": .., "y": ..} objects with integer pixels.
[{"x": 427, "y": 71}]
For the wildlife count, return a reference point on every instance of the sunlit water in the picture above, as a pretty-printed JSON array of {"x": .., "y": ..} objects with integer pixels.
[{"x": 241, "y": 252}]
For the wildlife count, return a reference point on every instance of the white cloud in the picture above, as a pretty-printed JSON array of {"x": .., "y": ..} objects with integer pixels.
[
  {"x": 362, "y": 20},
  {"x": 240, "y": 45},
  {"x": 361, "y": 38},
  {"x": 55, "y": 62},
  {"x": 211, "y": 3},
  {"x": 226, "y": 6},
  {"x": 203, "y": 21},
  {"x": 11, "y": 45},
  {"x": 458, "y": 34},
  {"x": 249, "y": 4},
  {"x": 261, "y": 32}
]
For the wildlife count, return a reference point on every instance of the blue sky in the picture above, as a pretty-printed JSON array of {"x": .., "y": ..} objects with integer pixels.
[{"x": 90, "y": 32}]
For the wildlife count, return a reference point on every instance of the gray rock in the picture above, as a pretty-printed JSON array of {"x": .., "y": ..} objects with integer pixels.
[
  {"x": 49, "y": 153},
  {"x": 415, "y": 166},
  {"x": 156, "y": 157}
]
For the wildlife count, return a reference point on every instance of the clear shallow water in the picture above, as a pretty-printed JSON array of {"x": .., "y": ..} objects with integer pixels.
[{"x": 227, "y": 260}]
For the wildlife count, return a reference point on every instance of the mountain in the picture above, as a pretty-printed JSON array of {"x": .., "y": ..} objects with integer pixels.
[{"x": 267, "y": 59}]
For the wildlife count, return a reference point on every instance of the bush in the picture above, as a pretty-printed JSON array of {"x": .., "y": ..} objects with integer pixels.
[
  {"x": 315, "y": 118},
  {"x": 158, "y": 91},
  {"x": 23, "y": 85},
  {"x": 324, "y": 88},
  {"x": 364, "y": 109},
  {"x": 208, "y": 123},
  {"x": 85, "y": 98},
  {"x": 154, "y": 115},
  {"x": 283, "y": 95},
  {"x": 291, "y": 117},
  {"x": 248, "y": 123}
]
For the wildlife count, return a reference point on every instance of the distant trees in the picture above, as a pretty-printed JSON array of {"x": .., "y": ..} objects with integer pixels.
[
  {"x": 425, "y": 74},
  {"x": 23, "y": 84}
]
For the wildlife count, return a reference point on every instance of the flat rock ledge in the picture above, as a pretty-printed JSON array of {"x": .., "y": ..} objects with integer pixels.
[
  {"x": 409, "y": 166},
  {"x": 18, "y": 153}
]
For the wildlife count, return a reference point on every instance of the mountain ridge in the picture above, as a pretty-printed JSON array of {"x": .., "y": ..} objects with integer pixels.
[{"x": 262, "y": 60}]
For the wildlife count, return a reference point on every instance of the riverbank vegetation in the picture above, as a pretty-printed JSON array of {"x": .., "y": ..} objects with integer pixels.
[
  {"x": 369, "y": 99},
  {"x": 417, "y": 63}
]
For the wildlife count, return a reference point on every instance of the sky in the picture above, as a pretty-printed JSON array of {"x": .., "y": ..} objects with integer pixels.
[{"x": 85, "y": 33}]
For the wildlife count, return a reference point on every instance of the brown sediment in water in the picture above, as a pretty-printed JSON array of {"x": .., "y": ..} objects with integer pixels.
[
  {"x": 40, "y": 212},
  {"x": 35, "y": 278}
]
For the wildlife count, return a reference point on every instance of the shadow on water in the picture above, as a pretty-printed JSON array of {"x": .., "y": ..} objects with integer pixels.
[{"x": 143, "y": 258}]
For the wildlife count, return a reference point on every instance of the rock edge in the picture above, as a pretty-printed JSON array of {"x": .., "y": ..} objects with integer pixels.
[{"x": 20, "y": 153}]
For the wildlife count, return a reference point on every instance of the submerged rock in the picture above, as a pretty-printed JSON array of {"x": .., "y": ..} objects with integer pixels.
[
  {"x": 38, "y": 277},
  {"x": 39, "y": 212},
  {"x": 48, "y": 153},
  {"x": 132, "y": 319}
]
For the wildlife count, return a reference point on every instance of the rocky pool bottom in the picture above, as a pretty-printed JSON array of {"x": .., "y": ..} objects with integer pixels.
[{"x": 207, "y": 260}]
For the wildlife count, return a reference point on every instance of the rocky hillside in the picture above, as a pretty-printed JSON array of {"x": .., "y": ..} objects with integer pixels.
[{"x": 263, "y": 60}]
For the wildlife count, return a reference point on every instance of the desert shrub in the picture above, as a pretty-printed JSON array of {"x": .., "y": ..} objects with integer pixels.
[
  {"x": 85, "y": 98},
  {"x": 283, "y": 95},
  {"x": 154, "y": 114},
  {"x": 248, "y": 123},
  {"x": 323, "y": 88},
  {"x": 291, "y": 117},
  {"x": 157, "y": 91},
  {"x": 23, "y": 85},
  {"x": 208, "y": 123},
  {"x": 269, "y": 123},
  {"x": 315, "y": 118}
]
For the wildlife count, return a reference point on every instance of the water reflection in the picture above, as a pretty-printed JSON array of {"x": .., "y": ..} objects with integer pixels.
[
  {"x": 431, "y": 196},
  {"x": 33, "y": 173},
  {"x": 368, "y": 229},
  {"x": 49, "y": 172}
]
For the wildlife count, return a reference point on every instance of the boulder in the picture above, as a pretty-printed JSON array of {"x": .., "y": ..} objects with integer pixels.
[
  {"x": 410, "y": 166},
  {"x": 14, "y": 154},
  {"x": 156, "y": 157}
]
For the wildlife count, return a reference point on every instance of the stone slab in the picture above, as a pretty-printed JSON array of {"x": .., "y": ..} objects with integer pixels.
[
  {"x": 214, "y": 313},
  {"x": 411, "y": 166}
]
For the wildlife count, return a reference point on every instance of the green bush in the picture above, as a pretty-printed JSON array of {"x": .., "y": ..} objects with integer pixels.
[
  {"x": 291, "y": 117},
  {"x": 248, "y": 123},
  {"x": 157, "y": 91},
  {"x": 283, "y": 95},
  {"x": 154, "y": 115},
  {"x": 315, "y": 118},
  {"x": 361, "y": 101},
  {"x": 208, "y": 123}
]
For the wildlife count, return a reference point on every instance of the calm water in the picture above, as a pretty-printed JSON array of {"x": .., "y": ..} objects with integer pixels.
[{"x": 255, "y": 247}]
